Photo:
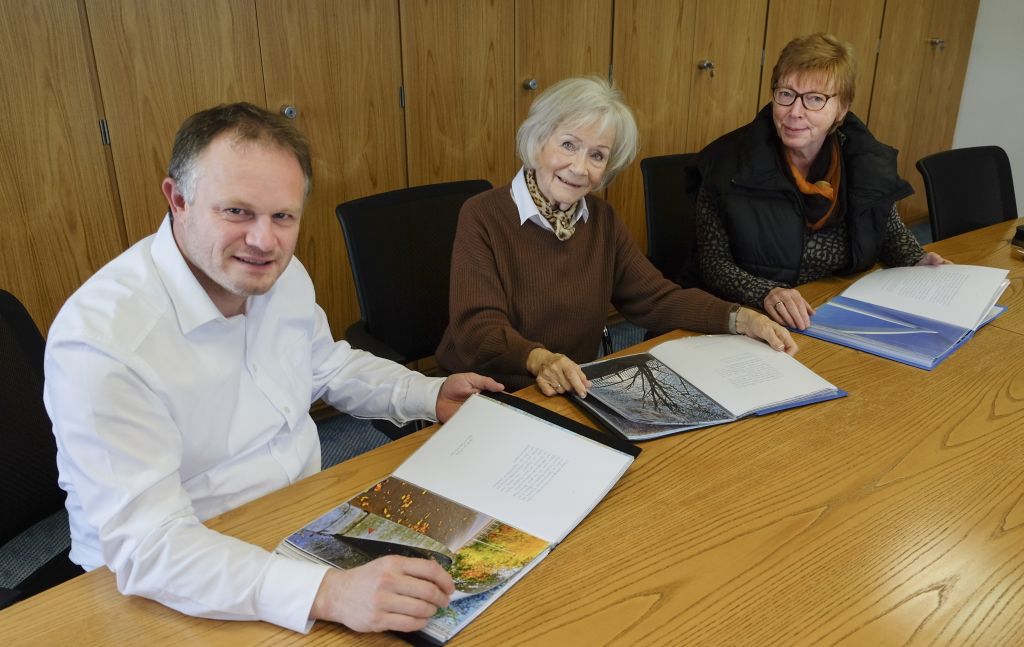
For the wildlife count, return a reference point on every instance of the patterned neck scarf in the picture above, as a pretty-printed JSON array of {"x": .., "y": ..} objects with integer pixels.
[
  {"x": 561, "y": 221},
  {"x": 820, "y": 188}
]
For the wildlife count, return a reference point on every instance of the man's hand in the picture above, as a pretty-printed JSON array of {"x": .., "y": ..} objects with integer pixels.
[
  {"x": 757, "y": 326},
  {"x": 556, "y": 373},
  {"x": 390, "y": 593},
  {"x": 457, "y": 389},
  {"x": 789, "y": 308}
]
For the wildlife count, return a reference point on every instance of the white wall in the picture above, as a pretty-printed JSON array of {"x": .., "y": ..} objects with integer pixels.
[{"x": 992, "y": 105}]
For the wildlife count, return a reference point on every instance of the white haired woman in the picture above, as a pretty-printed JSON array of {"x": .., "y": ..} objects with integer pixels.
[{"x": 536, "y": 263}]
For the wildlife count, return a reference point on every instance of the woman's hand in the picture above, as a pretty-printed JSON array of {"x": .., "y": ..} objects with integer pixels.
[
  {"x": 757, "y": 326},
  {"x": 789, "y": 308},
  {"x": 931, "y": 258},
  {"x": 556, "y": 373}
]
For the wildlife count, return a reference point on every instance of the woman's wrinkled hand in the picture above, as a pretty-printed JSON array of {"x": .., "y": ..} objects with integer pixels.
[
  {"x": 931, "y": 258},
  {"x": 757, "y": 326},
  {"x": 789, "y": 308},
  {"x": 556, "y": 373}
]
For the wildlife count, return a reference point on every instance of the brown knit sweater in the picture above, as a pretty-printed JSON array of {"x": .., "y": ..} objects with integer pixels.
[{"x": 515, "y": 287}]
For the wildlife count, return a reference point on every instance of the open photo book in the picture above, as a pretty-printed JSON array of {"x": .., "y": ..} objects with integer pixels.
[
  {"x": 487, "y": 497},
  {"x": 696, "y": 382},
  {"x": 914, "y": 315}
]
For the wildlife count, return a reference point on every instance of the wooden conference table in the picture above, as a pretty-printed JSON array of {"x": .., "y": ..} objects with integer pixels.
[{"x": 892, "y": 516}]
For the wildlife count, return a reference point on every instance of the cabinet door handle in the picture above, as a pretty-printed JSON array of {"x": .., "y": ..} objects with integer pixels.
[
  {"x": 530, "y": 84},
  {"x": 290, "y": 111},
  {"x": 705, "y": 64},
  {"x": 937, "y": 42}
]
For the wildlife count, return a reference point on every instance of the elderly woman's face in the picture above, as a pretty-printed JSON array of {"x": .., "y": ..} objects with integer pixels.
[
  {"x": 572, "y": 162},
  {"x": 801, "y": 130}
]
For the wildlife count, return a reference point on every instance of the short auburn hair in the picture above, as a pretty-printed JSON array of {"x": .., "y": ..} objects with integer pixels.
[{"x": 822, "y": 54}]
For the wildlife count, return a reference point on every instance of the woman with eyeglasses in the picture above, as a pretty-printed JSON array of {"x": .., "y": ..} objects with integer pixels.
[{"x": 801, "y": 192}]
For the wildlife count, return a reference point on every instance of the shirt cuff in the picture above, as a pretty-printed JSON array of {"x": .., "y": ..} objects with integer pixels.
[
  {"x": 288, "y": 591},
  {"x": 421, "y": 397}
]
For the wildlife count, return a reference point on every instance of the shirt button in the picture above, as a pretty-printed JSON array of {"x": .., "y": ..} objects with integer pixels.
[
  {"x": 255, "y": 368},
  {"x": 287, "y": 409}
]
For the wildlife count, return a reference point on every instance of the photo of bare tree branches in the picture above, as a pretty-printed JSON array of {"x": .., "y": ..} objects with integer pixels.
[{"x": 642, "y": 389}]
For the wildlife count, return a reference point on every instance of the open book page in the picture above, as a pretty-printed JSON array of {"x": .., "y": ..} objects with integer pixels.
[
  {"x": 643, "y": 390},
  {"x": 508, "y": 464},
  {"x": 741, "y": 374},
  {"x": 960, "y": 295},
  {"x": 394, "y": 517}
]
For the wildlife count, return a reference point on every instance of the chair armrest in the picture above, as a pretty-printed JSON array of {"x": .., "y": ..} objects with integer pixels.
[{"x": 358, "y": 337}]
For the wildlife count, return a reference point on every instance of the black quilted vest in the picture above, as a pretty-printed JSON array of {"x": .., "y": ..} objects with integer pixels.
[{"x": 761, "y": 209}]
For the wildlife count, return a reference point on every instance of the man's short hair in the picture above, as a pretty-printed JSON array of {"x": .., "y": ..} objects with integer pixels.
[{"x": 246, "y": 123}]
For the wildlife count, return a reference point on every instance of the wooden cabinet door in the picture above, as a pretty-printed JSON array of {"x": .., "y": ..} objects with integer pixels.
[
  {"x": 457, "y": 62},
  {"x": 559, "y": 39},
  {"x": 465, "y": 66},
  {"x": 60, "y": 220},
  {"x": 922, "y": 62},
  {"x": 680, "y": 107},
  {"x": 858, "y": 23},
  {"x": 731, "y": 36},
  {"x": 337, "y": 62},
  {"x": 652, "y": 65},
  {"x": 159, "y": 62}
]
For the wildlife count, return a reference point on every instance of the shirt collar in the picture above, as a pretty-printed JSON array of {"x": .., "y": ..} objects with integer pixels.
[
  {"x": 528, "y": 209},
  {"x": 191, "y": 303}
]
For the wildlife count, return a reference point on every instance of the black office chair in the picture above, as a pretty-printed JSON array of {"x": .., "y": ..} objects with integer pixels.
[
  {"x": 400, "y": 246},
  {"x": 28, "y": 462},
  {"x": 967, "y": 188},
  {"x": 670, "y": 193}
]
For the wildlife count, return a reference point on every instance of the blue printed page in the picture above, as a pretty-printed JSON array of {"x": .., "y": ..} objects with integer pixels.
[{"x": 897, "y": 335}]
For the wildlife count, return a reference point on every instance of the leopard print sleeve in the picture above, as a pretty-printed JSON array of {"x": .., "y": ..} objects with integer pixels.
[
  {"x": 720, "y": 272},
  {"x": 899, "y": 248}
]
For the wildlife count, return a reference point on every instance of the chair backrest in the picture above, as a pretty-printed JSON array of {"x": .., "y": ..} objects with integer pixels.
[
  {"x": 28, "y": 458},
  {"x": 670, "y": 191},
  {"x": 400, "y": 246},
  {"x": 967, "y": 188}
]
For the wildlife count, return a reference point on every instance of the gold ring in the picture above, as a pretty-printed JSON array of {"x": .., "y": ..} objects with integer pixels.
[{"x": 780, "y": 303}]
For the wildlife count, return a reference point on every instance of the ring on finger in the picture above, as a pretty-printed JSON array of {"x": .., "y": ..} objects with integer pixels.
[{"x": 780, "y": 303}]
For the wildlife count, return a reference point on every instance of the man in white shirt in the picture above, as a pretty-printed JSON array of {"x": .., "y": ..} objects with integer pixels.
[{"x": 179, "y": 380}]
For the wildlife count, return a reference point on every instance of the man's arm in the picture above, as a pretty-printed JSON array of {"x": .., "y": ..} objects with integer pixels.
[
  {"x": 367, "y": 386},
  {"x": 120, "y": 453}
]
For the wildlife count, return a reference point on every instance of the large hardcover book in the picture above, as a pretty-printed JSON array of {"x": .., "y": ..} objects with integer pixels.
[
  {"x": 914, "y": 315},
  {"x": 696, "y": 382},
  {"x": 488, "y": 496}
]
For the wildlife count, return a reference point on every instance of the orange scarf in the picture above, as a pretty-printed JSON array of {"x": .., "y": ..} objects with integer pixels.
[{"x": 827, "y": 189}]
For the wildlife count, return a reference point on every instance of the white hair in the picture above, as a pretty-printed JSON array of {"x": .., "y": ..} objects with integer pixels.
[{"x": 575, "y": 103}]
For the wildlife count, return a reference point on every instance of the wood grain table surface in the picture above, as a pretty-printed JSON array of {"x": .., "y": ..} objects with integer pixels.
[{"x": 893, "y": 516}]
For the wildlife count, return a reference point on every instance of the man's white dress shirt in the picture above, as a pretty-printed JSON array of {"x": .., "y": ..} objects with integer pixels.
[{"x": 166, "y": 413}]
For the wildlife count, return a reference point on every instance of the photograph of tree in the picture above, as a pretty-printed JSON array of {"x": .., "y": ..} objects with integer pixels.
[
  {"x": 642, "y": 389},
  {"x": 395, "y": 517}
]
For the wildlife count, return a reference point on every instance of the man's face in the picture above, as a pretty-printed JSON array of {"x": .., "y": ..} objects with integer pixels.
[{"x": 239, "y": 233}]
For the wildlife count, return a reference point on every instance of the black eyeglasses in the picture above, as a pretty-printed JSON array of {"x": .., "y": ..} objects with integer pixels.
[{"x": 814, "y": 101}]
